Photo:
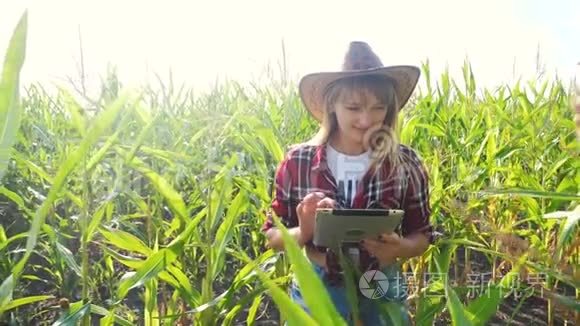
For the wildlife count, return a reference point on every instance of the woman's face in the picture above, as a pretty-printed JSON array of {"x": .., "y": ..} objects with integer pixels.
[{"x": 356, "y": 113}]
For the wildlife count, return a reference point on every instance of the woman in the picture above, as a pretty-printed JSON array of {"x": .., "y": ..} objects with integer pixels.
[{"x": 355, "y": 161}]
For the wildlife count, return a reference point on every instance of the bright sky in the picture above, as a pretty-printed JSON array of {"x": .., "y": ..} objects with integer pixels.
[{"x": 201, "y": 40}]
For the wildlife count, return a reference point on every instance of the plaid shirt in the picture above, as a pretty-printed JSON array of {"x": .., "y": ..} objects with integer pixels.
[{"x": 305, "y": 170}]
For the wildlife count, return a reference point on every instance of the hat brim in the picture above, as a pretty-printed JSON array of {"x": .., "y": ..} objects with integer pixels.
[{"x": 313, "y": 86}]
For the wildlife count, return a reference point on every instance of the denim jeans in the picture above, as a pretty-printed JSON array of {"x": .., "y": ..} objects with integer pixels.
[{"x": 369, "y": 311}]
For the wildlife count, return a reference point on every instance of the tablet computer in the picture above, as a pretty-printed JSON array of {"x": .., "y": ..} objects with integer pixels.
[{"x": 336, "y": 226}]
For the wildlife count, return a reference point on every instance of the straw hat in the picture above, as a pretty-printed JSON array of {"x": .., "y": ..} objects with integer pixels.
[{"x": 359, "y": 60}]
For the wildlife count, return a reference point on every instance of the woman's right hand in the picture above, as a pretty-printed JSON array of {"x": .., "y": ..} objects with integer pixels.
[{"x": 306, "y": 211}]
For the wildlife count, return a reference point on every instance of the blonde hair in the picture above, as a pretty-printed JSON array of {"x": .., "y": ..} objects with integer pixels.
[{"x": 385, "y": 143}]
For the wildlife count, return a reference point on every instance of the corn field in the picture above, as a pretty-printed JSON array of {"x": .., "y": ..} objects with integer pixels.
[{"x": 144, "y": 206}]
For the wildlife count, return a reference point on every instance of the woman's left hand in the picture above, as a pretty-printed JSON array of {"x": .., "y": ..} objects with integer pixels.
[{"x": 387, "y": 248}]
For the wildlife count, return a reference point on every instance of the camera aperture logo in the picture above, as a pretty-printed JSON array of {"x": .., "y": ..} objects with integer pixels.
[
  {"x": 379, "y": 140},
  {"x": 373, "y": 284}
]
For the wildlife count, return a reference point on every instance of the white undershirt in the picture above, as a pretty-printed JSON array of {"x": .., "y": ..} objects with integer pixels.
[{"x": 348, "y": 170}]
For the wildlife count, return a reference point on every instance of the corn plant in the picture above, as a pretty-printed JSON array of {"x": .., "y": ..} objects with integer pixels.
[{"x": 144, "y": 206}]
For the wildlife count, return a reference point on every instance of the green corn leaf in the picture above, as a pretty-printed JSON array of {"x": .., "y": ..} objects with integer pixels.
[
  {"x": 6, "y": 242},
  {"x": 393, "y": 311},
  {"x": 101, "y": 123},
  {"x": 151, "y": 311},
  {"x": 435, "y": 130},
  {"x": 443, "y": 256},
  {"x": 17, "y": 199},
  {"x": 41, "y": 173},
  {"x": 557, "y": 165},
  {"x": 486, "y": 306},
  {"x": 128, "y": 261},
  {"x": 74, "y": 314},
  {"x": 76, "y": 111},
  {"x": 183, "y": 285},
  {"x": 114, "y": 319},
  {"x": 96, "y": 220},
  {"x": 350, "y": 272},
  {"x": 108, "y": 320},
  {"x": 429, "y": 307},
  {"x": 100, "y": 154},
  {"x": 567, "y": 231},
  {"x": 141, "y": 138},
  {"x": 69, "y": 259},
  {"x": 555, "y": 274},
  {"x": 531, "y": 193},
  {"x": 223, "y": 188},
  {"x": 268, "y": 138},
  {"x": 126, "y": 241},
  {"x": 311, "y": 286},
  {"x": 253, "y": 298},
  {"x": 166, "y": 155},
  {"x": 253, "y": 311},
  {"x": 459, "y": 315},
  {"x": 10, "y": 108},
  {"x": 6, "y": 289},
  {"x": 150, "y": 269},
  {"x": 292, "y": 312},
  {"x": 159, "y": 260},
  {"x": 24, "y": 301},
  {"x": 226, "y": 229},
  {"x": 569, "y": 302},
  {"x": 172, "y": 196}
]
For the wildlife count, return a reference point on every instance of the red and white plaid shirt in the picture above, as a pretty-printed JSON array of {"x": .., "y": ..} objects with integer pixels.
[{"x": 305, "y": 170}]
